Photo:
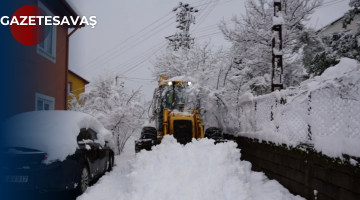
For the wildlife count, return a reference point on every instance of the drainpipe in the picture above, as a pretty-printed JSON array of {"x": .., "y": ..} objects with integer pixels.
[{"x": 67, "y": 65}]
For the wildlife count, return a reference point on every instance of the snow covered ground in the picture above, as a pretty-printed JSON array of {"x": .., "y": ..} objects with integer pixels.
[{"x": 196, "y": 171}]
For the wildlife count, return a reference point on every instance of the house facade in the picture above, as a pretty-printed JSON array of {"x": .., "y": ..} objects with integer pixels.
[
  {"x": 337, "y": 26},
  {"x": 37, "y": 76},
  {"x": 76, "y": 84}
]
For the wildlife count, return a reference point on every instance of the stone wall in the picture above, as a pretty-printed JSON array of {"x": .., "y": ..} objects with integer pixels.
[{"x": 303, "y": 171}]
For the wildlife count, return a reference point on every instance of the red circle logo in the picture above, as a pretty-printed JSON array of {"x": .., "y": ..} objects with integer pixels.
[{"x": 29, "y": 34}]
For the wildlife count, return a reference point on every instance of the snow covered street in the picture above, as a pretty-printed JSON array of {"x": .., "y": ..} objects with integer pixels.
[{"x": 196, "y": 171}]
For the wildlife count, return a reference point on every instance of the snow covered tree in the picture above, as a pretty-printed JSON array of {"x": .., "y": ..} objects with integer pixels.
[
  {"x": 207, "y": 68},
  {"x": 323, "y": 51},
  {"x": 252, "y": 35},
  {"x": 223, "y": 76},
  {"x": 352, "y": 13},
  {"x": 117, "y": 109}
]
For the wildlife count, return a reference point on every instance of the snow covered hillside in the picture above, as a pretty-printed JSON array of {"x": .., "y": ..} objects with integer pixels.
[{"x": 196, "y": 171}]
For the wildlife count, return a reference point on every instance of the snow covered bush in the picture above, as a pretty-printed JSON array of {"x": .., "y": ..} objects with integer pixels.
[
  {"x": 117, "y": 109},
  {"x": 323, "y": 51}
]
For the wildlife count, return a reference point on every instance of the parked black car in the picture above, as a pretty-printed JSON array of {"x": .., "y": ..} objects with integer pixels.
[{"x": 25, "y": 169}]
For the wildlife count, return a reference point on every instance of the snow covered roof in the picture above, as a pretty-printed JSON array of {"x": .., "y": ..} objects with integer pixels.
[
  {"x": 331, "y": 23},
  {"x": 53, "y": 132},
  {"x": 78, "y": 75}
]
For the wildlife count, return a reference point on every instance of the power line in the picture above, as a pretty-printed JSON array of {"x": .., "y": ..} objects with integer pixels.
[
  {"x": 145, "y": 59},
  {"x": 127, "y": 39},
  {"x": 141, "y": 41},
  {"x": 206, "y": 14},
  {"x": 327, "y": 4},
  {"x": 139, "y": 81},
  {"x": 132, "y": 46},
  {"x": 130, "y": 38},
  {"x": 140, "y": 56},
  {"x": 108, "y": 60},
  {"x": 230, "y": 21},
  {"x": 150, "y": 79},
  {"x": 142, "y": 61},
  {"x": 217, "y": 33},
  {"x": 145, "y": 56},
  {"x": 207, "y": 29},
  {"x": 138, "y": 64}
]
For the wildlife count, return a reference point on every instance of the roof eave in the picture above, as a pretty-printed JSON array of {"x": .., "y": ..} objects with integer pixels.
[
  {"x": 63, "y": 8},
  {"x": 80, "y": 77}
]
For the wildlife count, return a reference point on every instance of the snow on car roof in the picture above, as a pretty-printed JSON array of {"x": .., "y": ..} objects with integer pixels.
[{"x": 53, "y": 132}]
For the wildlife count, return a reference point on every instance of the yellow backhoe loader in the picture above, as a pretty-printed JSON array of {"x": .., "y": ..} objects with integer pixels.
[{"x": 171, "y": 116}]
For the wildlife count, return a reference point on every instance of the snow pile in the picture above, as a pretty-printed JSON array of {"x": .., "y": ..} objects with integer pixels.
[
  {"x": 345, "y": 74},
  {"x": 278, "y": 19},
  {"x": 197, "y": 171},
  {"x": 329, "y": 104},
  {"x": 53, "y": 132}
]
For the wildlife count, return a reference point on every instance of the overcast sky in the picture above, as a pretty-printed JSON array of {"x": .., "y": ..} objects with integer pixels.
[{"x": 119, "y": 20}]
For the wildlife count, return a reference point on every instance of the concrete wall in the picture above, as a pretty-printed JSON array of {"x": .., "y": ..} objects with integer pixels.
[{"x": 302, "y": 172}]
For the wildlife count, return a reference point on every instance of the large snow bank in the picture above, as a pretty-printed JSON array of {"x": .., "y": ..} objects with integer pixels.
[
  {"x": 344, "y": 74},
  {"x": 53, "y": 132},
  {"x": 197, "y": 171},
  {"x": 329, "y": 104}
]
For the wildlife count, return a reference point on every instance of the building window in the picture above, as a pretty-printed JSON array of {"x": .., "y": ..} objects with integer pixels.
[
  {"x": 69, "y": 87},
  {"x": 43, "y": 102},
  {"x": 48, "y": 47}
]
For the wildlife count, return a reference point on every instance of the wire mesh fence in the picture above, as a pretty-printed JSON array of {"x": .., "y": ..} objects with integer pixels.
[{"x": 297, "y": 116}]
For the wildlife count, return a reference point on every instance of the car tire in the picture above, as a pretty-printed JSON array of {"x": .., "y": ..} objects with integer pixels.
[{"x": 84, "y": 180}]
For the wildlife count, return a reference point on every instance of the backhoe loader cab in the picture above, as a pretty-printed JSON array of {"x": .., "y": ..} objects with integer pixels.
[{"x": 173, "y": 115}]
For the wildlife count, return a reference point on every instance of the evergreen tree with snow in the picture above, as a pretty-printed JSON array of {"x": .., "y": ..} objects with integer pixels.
[{"x": 352, "y": 13}]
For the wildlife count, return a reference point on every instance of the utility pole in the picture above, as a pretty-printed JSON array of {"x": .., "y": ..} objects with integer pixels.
[
  {"x": 277, "y": 54},
  {"x": 185, "y": 17}
]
